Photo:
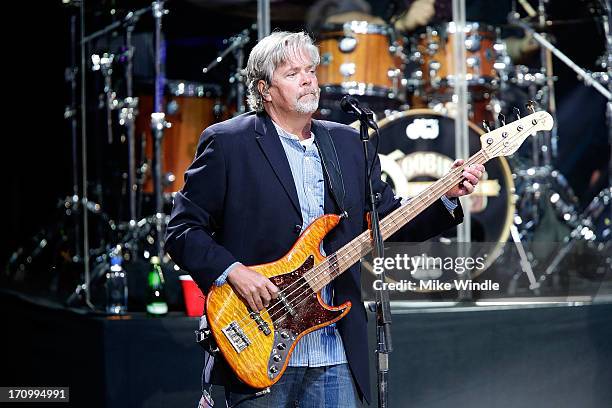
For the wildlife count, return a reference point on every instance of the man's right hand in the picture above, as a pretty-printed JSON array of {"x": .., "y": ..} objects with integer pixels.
[{"x": 255, "y": 288}]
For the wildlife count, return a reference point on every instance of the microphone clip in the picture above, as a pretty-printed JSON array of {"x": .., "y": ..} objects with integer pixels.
[{"x": 350, "y": 105}]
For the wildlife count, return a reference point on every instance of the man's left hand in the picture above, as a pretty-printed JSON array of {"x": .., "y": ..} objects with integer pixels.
[{"x": 472, "y": 175}]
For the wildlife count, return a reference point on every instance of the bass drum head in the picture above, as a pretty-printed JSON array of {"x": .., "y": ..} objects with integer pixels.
[{"x": 417, "y": 147}]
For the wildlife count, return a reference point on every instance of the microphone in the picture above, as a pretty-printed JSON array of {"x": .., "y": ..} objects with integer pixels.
[{"x": 350, "y": 105}]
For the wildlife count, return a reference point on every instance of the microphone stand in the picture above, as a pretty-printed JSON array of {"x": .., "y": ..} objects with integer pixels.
[
  {"x": 583, "y": 75},
  {"x": 382, "y": 307}
]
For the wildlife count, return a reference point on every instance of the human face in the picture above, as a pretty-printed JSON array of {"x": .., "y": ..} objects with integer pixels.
[{"x": 294, "y": 87}]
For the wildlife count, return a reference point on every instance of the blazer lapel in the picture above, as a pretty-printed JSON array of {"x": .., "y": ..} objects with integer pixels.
[
  {"x": 270, "y": 144},
  {"x": 331, "y": 168}
]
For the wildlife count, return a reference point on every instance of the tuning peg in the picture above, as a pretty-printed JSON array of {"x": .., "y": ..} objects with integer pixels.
[
  {"x": 517, "y": 112},
  {"x": 502, "y": 119},
  {"x": 486, "y": 126},
  {"x": 531, "y": 106}
]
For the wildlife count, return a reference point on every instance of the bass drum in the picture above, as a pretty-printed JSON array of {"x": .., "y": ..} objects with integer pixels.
[{"x": 417, "y": 147}]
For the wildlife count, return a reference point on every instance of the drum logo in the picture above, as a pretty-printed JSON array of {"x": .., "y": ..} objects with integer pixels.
[
  {"x": 423, "y": 129},
  {"x": 406, "y": 172}
]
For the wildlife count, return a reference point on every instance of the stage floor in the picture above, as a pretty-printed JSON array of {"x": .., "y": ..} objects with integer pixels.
[{"x": 463, "y": 355}]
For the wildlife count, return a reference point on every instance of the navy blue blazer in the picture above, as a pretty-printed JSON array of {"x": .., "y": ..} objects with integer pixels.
[{"x": 239, "y": 203}]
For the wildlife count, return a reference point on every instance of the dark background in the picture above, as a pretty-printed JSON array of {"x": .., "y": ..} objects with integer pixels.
[{"x": 37, "y": 141}]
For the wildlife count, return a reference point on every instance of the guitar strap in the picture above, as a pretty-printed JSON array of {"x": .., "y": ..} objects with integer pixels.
[{"x": 330, "y": 164}]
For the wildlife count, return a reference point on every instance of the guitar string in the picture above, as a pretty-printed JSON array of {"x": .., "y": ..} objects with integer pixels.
[
  {"x": 394, "y": 214},
  {"x": 316, "y": 269},
  {"x": 419, "y": 201},
  {"x": 321, "y": 269}
]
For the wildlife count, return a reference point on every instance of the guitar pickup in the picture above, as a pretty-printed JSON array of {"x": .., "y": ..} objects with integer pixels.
[
  {"x": 236, "y": 336},
  {"x": 285, "y": 302},
  {"x": 261, "y": 323}
]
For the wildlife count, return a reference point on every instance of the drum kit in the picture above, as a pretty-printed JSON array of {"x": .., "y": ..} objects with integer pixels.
[{"x": 406, "y": 80}]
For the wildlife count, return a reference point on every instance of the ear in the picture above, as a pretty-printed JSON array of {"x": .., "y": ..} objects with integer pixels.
[{"x": 263, "y": 90}]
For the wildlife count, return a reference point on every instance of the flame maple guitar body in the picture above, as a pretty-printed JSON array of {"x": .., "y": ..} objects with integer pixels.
[{"x": 258, "y": 346}]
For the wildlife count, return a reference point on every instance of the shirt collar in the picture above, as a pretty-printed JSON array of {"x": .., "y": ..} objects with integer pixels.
[{"x": 283, "y": 133}]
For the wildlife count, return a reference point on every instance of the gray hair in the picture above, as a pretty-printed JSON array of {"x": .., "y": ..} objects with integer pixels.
[{"x": 270, "y": 53}]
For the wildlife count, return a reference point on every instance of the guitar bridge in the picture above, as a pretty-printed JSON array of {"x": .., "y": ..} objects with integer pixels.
[{"x": 236, "y": 336}]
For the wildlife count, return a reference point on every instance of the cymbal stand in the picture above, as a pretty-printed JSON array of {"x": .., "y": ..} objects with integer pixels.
[
  {"x": 236, "y": 46},
  {"x": 70, "y": 113},
  {"x": 83, "y": 290},
  {"x": 549, "y": 141},
  {"x": 582, "y": 74},
  {"x": 606, "y": 63},
  {"x": 127, "y": 117},
  {"x": 585, "y": 76},
  {"x": 104, "y": 64},
  {"x": 543, "y": 176},
  {"x": 158, "y": 124}
]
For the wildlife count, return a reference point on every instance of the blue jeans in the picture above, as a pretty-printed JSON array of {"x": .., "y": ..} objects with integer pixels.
[{"x": 306, "y": 387}]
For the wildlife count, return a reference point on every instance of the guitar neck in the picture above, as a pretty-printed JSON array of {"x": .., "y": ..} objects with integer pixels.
[{"x": 338, "y": 262}]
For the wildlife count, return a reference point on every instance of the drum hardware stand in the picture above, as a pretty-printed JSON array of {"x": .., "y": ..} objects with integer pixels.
[
  {"x": 85, "y": 288},
  {"x": 584, "y": 229},
  {"x": 586, "y": 77},
  {"x": 70, "y": 113},
  {"x": 139, "y": 230},
  {"x": 606, "y": 64},
  {"x": 236, "y": 46},
  {"x": 550, "y": 140},
  {"x": 582, "y": 74},
  {"x": 263, "y": 18},
  {"x": 75, "y": 205},
  {"x": 583, "y": 225},
  {"x": 158, "y": 125},
  {"x": 514, "y": 232},
  {"x": 104, "y": 64},
  {"x": 542, "y": 175},
  {"x": 127, "y": 115},
  {"x": 126, "y": 107},
  {"x": 525, "y": 263}
]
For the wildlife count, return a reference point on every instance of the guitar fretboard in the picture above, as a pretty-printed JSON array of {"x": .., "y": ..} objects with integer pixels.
[{"x": 338, "y": 262}]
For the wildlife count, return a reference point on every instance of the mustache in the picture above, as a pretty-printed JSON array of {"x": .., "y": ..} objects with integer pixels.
[{"x": 313, "y": 91}]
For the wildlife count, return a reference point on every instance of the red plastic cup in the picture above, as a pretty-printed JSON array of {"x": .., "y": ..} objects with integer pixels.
[{"x": 194, "y": 299}]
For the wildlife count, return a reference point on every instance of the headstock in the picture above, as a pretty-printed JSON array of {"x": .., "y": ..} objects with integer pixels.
[{"x": 507, "y": 139}]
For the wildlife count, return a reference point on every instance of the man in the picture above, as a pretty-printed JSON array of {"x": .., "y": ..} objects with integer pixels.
[{"x": 260, "y": 179}]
